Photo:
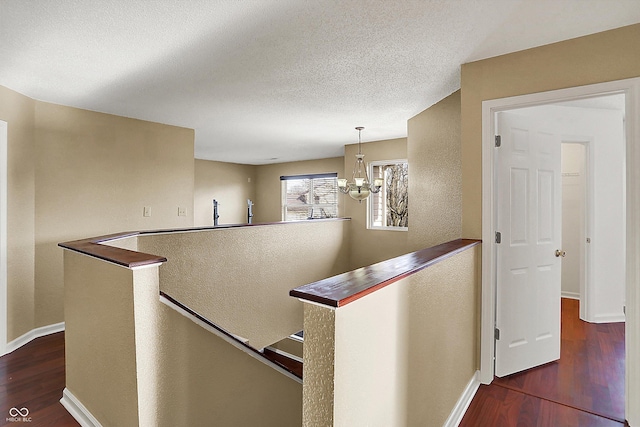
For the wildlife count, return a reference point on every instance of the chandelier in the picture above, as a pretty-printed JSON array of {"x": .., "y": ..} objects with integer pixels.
[{"x": 360, "y": 187}]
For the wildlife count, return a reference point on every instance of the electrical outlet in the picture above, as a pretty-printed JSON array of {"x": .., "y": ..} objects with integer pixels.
[
  {"x": 182, "y": 211},
  {"x": 146, "y": 211}
]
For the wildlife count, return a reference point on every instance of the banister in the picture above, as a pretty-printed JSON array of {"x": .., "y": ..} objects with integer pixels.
[
  {"x": 228, "y": 336},
  {"x": 95, "y": 247},
  {"x": 342, "y": 289}
]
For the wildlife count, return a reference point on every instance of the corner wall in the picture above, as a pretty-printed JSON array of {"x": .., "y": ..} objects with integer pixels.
[
  {"x": 435, "y": 174},
  {"x": 19, "y": 113},
  {"x": 421, "y": 367},
  {"x": 371, "y": 246},
  {"x": 94, "y": 174},
  {"x": 231, "y": 184}
]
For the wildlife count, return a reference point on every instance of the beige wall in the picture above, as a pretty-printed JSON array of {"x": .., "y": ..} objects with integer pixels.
[
  {"x": 268, "y": 203},
  {"x": 94, "y": 175},
  {"x": 371, "y": 246},
  {"x": 100, "y": 357},
  {"x": 18, "y": 111},
  {"x": 606, "y": 56},
  {"x": 132, "y": 360},
  {"x": 240, "y": 278},
  {"x": 435, "y": 174},
  {"x": 421, "y": 368},
  {"x": 319, "y": 361},
  {"x": 231, "y": 184}
]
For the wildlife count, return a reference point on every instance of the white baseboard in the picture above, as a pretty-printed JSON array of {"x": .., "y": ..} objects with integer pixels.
[
  {"x": 78, "y": 410},
  {"x": 33, "y": 334},
  {"x": 608, "y": 318},
  {"x": 463, "y": 402},
  {"x": 570, "y": 295}
]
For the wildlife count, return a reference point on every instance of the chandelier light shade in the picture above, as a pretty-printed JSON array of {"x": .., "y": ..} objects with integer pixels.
[{"x": 359, "y": 188}]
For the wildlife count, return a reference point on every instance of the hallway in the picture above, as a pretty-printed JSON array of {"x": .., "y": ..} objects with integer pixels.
[
  {"x": 584, "y": 388},
  {"x": 32, "y": 377}
]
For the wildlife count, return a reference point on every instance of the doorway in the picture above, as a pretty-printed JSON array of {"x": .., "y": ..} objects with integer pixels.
[
  {"x": 592, "y": 184},
  {"x": 630, "y": 88},
  {"x": 575, "y": 235},
  {"x": 3, "y": 236}
]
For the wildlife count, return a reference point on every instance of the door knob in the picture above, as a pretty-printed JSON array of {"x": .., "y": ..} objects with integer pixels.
[{"x": 560, "y": 253}]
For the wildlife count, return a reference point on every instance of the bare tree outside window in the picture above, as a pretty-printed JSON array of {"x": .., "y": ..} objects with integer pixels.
[
  {"x": 397, "y": 188},
  {"x": 389, "y": 209}
]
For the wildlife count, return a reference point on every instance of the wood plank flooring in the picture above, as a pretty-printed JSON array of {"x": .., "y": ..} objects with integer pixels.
[
  {"x": 584, "y": 388},
  {"x": 33, "y": 377}
]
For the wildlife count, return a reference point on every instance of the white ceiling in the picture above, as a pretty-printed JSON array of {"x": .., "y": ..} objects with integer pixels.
[{"x": 264, "y": 81}]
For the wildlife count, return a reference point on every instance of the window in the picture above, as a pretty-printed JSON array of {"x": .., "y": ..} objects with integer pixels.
[
  {"x": 389, "y": 209},
  {"x": 309, "y": 196}
]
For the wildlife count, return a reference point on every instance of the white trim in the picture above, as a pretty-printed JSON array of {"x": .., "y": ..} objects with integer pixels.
[
  {"x": 140, "y": 267},
  {"x": 306, "y": 301},
  {"x": 294, "y": 337},
  {"x": 33, "y": 334},
  {"x": 608, "y": 318},
  {"x": 3, "y": 236},
  {"x": 229, "y": 340},
  {"x": 585, "y": 280},
  {"x": 458, "y": 411},
  {"x": 570, "y": 295},
  {"x": 78, "y": 410},
  {"x": 632, "y": 328},
  {"x": 631, "y": 88}
]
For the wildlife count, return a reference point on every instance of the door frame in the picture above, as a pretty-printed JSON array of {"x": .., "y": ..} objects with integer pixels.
[
  {"x": 585, "y": 280},
  {"x": 631, "y": 89},
  {"x": 4, "y": 173}
]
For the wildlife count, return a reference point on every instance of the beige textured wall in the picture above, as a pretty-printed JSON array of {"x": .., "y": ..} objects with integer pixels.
[
  {"x": 371, "y": 246},
  {"x": 268, "y": 203},
  {"x": 18, "y": 111},
  {"x": 420, "y": 381},
  {"x": 94, "y": 174},
  {"x": 189, "y": 377},
  {"x": 240, "y": 278},
  {"x": 100, "y": 356},
  {"x": 319, "y": 359},
  {"x": 150, "y": 366},
  {"x": 435, "y": 174},
  {"x": 606, "y": 56},
  {"x": 230, "y": 184}
]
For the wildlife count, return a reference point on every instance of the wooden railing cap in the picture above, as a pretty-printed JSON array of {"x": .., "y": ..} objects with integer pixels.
[
  {"x": 94, "y": 246},
  {"x": 342, "y": 289}
]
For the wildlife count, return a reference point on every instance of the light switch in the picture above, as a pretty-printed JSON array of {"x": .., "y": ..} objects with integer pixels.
[{"x": 146, "y": 211}]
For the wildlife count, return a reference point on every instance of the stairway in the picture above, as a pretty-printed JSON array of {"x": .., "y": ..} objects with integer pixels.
[{"x": 287, "y": 353}]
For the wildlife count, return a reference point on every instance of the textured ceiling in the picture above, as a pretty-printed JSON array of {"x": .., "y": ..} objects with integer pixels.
[{"x": 273, "y": 80}]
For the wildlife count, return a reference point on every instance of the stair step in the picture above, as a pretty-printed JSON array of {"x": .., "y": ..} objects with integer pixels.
[{"x": 288, "y": 361}]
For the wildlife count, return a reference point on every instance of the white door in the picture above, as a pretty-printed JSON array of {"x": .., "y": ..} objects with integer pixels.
[{"x": 529, "y": 214}]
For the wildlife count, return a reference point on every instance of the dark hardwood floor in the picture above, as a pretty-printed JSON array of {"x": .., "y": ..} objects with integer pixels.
[
  {"x": 32, "y": 377},
  {"x": 584, "y": 388}
]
